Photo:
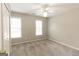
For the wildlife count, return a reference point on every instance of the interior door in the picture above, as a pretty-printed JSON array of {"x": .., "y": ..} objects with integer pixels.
[{"x": 6, "y": 39}]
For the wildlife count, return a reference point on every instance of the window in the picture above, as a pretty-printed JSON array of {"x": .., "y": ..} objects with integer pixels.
[
  {"x": 38, "y": 27},
  {"x": 15, "y": 27}
]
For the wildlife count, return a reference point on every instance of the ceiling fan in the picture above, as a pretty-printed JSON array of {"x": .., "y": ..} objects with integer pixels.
[{"x": 45, "y": 8}]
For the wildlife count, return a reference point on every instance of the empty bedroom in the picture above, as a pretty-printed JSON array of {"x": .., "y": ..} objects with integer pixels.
[{"x": 39, "y": 29}]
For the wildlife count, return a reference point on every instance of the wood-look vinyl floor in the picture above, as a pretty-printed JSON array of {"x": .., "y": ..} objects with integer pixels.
[{"x": 42, "y": 48}]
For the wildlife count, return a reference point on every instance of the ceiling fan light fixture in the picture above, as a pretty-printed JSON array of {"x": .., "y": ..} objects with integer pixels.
[
  {"x": 45, "y": 14},
  {"x": 47, "y": 8}
]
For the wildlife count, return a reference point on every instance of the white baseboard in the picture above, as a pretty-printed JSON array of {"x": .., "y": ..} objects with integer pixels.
[{"x": 67, "y": 45}]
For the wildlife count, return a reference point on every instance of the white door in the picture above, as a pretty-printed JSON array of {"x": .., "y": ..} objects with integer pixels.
[{"x": 6, "y": 40}]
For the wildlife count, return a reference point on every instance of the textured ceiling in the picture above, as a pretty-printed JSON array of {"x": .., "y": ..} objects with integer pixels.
[{"x": 35, "y": 8}]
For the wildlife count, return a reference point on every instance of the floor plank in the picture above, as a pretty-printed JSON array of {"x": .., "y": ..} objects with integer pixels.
[{"x": 42, "y": 48}]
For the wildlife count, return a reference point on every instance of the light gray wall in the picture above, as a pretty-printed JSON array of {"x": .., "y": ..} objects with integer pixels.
[
  {"x": 28, "y": 27},
  {"x": 64, "y": 28}
]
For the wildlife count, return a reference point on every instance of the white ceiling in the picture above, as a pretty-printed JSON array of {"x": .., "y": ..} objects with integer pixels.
[{"x": 34, "y": 8}]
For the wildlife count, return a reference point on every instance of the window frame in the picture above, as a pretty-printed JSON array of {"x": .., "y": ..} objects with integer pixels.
[
  {"x": 16, "y": 27},
  {"x": 39, "y": 34}
]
